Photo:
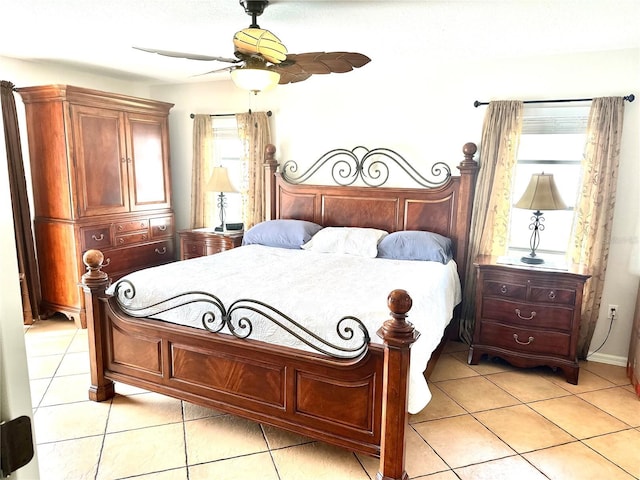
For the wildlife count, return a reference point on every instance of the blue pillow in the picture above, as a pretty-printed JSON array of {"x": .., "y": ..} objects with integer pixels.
[
  {"x": 416, "y": 245},
  {"x": 281, "y": 233}
]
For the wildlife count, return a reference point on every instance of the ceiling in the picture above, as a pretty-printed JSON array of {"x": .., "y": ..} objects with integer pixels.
[{"x": 98, "y": 35}]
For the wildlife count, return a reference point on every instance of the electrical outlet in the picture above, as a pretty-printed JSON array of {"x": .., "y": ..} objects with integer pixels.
[{"x": 613, "y": 311}]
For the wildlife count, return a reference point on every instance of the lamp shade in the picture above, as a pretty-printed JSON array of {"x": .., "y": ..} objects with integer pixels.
[
  {"x": 541, "y": 194},
  {"x": 254, "y": 79},
  {"x": 219, "y": 181}
]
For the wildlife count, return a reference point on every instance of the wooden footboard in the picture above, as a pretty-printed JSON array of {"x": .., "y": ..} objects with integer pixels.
[{"x": 358, "y": 404}]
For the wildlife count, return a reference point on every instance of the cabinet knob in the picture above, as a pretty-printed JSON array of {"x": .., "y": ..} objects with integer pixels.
[
  {"x": 515, "y": 337},
  {"x": 552, "y": 295},
  {"x": 503, "y": 289},
  {"x": 533, "y": 314},
  {"x": 162, "y": 228},
  {"x": 97, "y": 238},
  {"x": 161, "y": 251}
]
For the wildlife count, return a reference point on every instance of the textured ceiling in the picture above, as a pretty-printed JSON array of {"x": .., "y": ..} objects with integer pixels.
[{"x": 98, "y": 35}]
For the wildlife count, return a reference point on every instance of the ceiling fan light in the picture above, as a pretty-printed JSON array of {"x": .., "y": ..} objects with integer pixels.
[{"x": 254, "y": 79}]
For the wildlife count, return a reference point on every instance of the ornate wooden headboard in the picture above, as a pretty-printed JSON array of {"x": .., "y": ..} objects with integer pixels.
[{"x": 442, "y": 206}]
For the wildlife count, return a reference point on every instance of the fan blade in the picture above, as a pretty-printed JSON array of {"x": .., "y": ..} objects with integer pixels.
[
  {"x": 299, "y": 67},
  {"x": 232, "y": 67},
  {"x": 189, "y": 56}
]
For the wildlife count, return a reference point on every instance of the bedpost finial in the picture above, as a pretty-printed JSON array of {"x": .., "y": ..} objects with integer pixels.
[
  {"x": 270, "y": 151},
  {"x": 469, "y": 149},
  {"x": 399, "y": 303},
  {"x": 94, "y": 261},
  {"x": 397, "y": 331}
]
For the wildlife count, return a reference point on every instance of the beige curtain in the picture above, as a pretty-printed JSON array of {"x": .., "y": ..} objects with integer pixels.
[
  {"x": 253, "y": 128},
  {"x": 492, "y": 202},
  {"x": 202, "y": 207},
  {"x": 594, "y": 207}
]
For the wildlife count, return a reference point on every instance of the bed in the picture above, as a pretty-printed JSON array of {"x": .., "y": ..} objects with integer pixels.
[{"x": 353, "y": 390}]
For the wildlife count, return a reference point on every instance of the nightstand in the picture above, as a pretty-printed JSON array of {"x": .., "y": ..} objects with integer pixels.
[
  {"x": 200, "y": 242},
  {"x": 528, "y": 316}
]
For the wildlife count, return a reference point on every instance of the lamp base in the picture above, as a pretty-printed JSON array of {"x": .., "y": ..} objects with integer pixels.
[{"x": 532, "y": 260}]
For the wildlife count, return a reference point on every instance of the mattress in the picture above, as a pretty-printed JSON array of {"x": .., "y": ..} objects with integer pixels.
[{"x": 314, "y": 289}]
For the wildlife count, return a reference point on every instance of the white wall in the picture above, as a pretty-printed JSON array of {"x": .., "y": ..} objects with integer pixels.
[{"x": 427, "y": 115}]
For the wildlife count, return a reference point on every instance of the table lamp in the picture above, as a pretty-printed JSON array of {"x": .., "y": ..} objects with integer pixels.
[
  {"x": 219, "y": 182},
  {"x": 541, "y": 194}
]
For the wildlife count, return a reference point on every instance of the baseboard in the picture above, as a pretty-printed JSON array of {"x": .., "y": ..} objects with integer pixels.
[{"x": 608, "y": 359}]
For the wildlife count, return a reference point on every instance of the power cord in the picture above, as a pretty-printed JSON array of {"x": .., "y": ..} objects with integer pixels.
[{"x": 613, "y": 317}]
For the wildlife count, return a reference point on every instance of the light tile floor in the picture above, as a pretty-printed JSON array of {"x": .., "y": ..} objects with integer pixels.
[{"x": 489, "y": 421}]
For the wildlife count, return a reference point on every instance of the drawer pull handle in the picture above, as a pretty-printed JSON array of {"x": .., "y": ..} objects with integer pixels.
[
  {"x": 161, "y": 252},
  {"x": 162, "y": 228},
  {"x": 552, "y": 295},
  {"x": 503, "y": 289},
  {"x": 98, "y": 238},
  {"x": 533, "y": 314},
  {"x": 515, "y": 337}
]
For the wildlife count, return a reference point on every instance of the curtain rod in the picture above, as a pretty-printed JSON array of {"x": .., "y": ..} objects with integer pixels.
[
  {"x": 629, "y": 98},
  {"x": 193, "y": 115}
]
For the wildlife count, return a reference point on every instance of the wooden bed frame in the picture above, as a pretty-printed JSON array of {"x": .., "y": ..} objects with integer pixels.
[{"x": 359, "y": 404}]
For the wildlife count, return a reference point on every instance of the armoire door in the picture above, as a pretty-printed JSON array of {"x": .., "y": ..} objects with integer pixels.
[
  {"x": 148, "y": 161},
  {"x": 101, "y": 161}
]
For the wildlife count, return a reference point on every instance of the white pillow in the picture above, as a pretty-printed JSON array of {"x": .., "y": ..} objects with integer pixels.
[{"x": 362, "y": 242}]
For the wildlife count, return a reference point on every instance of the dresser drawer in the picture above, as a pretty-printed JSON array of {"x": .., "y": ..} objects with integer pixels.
[
  {"x": 558, "y": 296},
  {"x": 128, "y": 259},
  {"x": 132, "y": 226},
  {"x": 96, "y": 237},
  {"x": 131, "y": 238},
  {"x": 527, "y": 314},
  {"x": 161, "y": 227},
  {"x": 504, "y": 289},
  {"x": 526, "y": 340},
  {"x": 191, "y": 249},
  {"x": 219, "y": 244}
]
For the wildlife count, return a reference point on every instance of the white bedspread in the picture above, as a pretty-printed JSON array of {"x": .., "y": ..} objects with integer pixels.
[{"x": 316, "y": 290}]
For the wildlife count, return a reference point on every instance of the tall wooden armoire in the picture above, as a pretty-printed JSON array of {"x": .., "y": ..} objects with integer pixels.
[{"x": 100, "y": 175}]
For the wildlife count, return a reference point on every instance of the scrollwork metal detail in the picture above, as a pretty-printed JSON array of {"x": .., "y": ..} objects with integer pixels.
[
  {"x": 370, "y": 166},
  {"x": 235, "y": 317}
]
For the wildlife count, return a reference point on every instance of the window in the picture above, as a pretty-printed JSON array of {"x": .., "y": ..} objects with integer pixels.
[
  {"x": 227, "y": 152},
  {"x": 552, "y": 141}
]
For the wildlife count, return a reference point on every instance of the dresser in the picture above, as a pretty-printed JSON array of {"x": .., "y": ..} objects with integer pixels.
[
  {"x": 200, "y": 242},
  {"x": 100, "y": 174},
  {"x": 529, "y": 316}
]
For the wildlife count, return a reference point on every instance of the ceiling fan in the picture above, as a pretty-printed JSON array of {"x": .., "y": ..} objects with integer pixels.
[{"x": 261, "y": 60}]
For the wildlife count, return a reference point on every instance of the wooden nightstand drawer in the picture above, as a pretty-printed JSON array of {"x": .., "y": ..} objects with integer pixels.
[
  {"x": 202, "y": 241},
  {"x": 527, "y": 314},
  {"x": 193, "y": 249},
  {"x": 552, "y": 295},
  {"x": 525, "y": 340},
  {"x": 506, "y": 290}
]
